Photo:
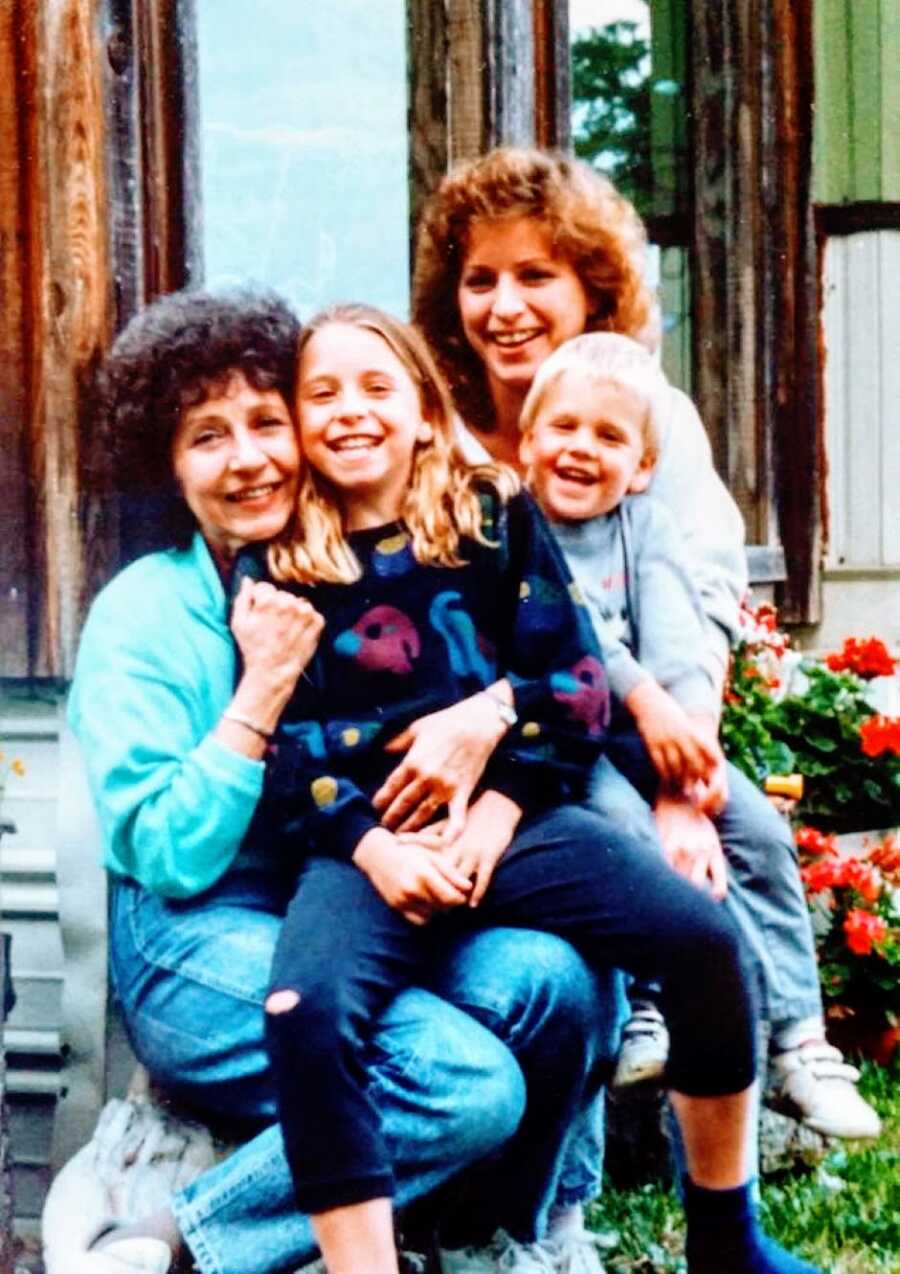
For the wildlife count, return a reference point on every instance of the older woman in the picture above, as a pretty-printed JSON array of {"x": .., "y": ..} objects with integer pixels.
[
  {"x": 174, "y": 740},
  {"x": 518, "y": 251}
]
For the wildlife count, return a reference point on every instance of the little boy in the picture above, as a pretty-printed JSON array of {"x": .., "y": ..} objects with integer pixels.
[{"x": 590, "y": 439}]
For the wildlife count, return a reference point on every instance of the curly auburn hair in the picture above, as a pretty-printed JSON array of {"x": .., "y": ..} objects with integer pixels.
[
  {"x": 442, "y": 501},
  {"x": 179, "y": 350},
  {"x": 594, "y": 228}
]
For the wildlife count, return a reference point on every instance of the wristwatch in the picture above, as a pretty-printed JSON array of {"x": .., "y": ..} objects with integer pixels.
[{"x": 505, "y": 711}]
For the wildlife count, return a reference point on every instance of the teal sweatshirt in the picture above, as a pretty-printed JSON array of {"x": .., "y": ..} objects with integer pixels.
[{"x": 155, "y": 669}]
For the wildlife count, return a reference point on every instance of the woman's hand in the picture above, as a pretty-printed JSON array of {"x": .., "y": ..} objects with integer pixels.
[
  {"x": 489, "y": 827},
  {"x": 446, "y": 753},
  {"x": 681, "y": 748},
  {"x": 277, "y": 635},
  {"x": 691, "y": 844},
  {"x": 414, "y": 880},
  {"x": 276, "y": 632}
]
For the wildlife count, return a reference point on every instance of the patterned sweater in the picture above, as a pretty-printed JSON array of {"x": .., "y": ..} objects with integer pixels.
[{"x": 407, "y": 639}]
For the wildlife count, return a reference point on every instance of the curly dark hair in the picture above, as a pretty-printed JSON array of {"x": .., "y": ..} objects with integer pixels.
[
  {"x": 594, "y": 228},
  {"x": 172, "y": 355}
]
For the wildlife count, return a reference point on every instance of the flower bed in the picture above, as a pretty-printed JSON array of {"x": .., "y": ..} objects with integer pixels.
[{"x": 788, "y": 714}]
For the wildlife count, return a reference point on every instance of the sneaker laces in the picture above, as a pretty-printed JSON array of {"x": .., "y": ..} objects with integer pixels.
[
  {"x": 576, "y": 1252},
  {"x": 523, "y": 1258},
  {"x": 821, "y": 1060},
  {"x": 645, "y": 1019}
]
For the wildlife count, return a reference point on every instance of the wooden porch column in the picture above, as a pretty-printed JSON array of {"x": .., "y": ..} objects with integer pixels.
[
  {"x": 755, "y": 289},
  {"x": 484, "y": 73},
  {"x": 57, "y": 321}
]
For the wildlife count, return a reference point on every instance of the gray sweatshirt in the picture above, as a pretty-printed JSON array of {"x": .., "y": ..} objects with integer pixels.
[{"x": 643, "y": 602}]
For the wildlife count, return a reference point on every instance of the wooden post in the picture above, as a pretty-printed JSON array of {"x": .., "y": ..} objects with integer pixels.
[
  {"x": 427, "y": 51},
  {"x": 16, "y": 570},
  {"x": 552, "y": 74},
  {"x": 755, "y": 371},
  {"x": 62, "y": 195}
]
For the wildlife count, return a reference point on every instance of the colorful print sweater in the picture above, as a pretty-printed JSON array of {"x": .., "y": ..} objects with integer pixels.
[{"x": 405, "y": 640}]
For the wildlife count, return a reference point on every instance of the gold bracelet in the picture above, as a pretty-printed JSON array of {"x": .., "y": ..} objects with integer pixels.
[{"x": 236, "y": 717}]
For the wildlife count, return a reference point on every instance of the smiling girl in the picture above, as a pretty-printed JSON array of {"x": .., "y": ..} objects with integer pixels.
[{"x": 436, "y": 581}]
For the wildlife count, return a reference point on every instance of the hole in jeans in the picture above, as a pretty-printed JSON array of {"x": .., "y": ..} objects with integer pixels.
[{"x": 282, "y": 1001}]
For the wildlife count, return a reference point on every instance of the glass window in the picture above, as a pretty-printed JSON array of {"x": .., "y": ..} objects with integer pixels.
[
  {"x": 629, "y": 120},
  {"x": 304, "y": 148}
]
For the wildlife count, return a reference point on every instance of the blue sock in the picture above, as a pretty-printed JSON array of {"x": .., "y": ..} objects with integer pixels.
[{"x": 723, "y": 1234}]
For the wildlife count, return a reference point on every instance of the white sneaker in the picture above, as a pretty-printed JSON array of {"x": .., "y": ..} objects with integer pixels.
[
  {"x": 644, "y": 1050},
  {"x": 576, "y": 1253},
  {"x": 816, "y": 1084},
  {"x": 122, "y": 1256},
  {"x": 410, "y": 1263},
  {"x": 503, "y": 1255}
]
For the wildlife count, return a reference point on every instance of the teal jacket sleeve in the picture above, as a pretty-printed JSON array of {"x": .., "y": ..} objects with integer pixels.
[{"x": 155, "y": 670}]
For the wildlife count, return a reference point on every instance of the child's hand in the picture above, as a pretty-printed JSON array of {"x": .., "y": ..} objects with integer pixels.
[
  {"x": 490, "y": 825},
  {"x": 681, "y": 748},
  {"x": 411, "y": 878},
  {"x": 691, "y": 843},
  {"x": 711, "y": 797}
]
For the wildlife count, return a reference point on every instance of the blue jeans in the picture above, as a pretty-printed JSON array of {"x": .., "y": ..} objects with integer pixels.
[
  {"x": 765, "y": 894},
  {"x": 191, "y": 976},
  {"x": 568, "y": 871}
]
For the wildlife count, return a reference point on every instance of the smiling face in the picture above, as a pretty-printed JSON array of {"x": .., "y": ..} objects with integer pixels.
[
  {"x": 360, "y": 420},
  {"x": 236, "y": 460},
  {"x": 586, "y": 449},
  {"x": 517, "y": 301}
]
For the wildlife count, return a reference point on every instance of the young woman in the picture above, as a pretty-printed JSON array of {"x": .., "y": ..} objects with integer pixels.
[
  {"x": 197, "y": 422},
  {"x": 516, "y": 252},
  {"x": 435, "y": 581}
]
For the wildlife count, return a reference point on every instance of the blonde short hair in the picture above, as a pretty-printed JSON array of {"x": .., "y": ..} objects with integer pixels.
[{"x": 598, "y": 356}]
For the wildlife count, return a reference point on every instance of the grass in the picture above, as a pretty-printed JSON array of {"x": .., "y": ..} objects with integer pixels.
[{"x": 843, "y": 1215}]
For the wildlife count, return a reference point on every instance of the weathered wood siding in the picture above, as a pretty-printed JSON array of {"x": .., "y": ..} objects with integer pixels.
[{"x": 861, "y": 319}]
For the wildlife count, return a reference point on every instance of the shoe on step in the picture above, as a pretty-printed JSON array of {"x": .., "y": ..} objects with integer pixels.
[
  {"x": 814, "y": 1083},
  {"x": 644, "y": 1050},
  {"x": 121, "y": 1256},
  {"x": 503, "y": 1255}
]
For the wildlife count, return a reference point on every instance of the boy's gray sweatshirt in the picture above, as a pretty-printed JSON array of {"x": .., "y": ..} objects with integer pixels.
[
  {"x": 711, "y": 526},
  {"x": 671, "y": 643}
]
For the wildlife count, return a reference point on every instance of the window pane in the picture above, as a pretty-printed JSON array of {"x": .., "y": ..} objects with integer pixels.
[
  {"x": 629, "y": 120},
  {"x": 304, "y": 148}
]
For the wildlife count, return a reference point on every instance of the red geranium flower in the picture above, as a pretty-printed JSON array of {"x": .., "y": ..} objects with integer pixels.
[
  {"x": 861, "y": 877},
  {"x": 880, "y": 734},
  {"x": 812, "y": 841},
  {"x": 826, "y": 873},
  {"x": 867, "y": 657},
  {"x": 863, "y": 930}
]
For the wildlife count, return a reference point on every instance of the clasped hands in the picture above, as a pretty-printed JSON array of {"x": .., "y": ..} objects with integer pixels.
[
  {"x": 693, "y": 784},
  {"x": 418, "y": 863}
]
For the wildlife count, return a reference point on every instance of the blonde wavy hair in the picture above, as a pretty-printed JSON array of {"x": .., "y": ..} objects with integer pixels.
[
  {"x": 590, "y": 225},
  {"x": 443, "y": 500}
]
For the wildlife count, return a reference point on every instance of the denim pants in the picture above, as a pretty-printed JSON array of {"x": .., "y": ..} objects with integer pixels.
[
  {"x": 450, "y": 1065},
  {"x": 765, "y": 895},
  {"x": 345, "y": 953}
]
